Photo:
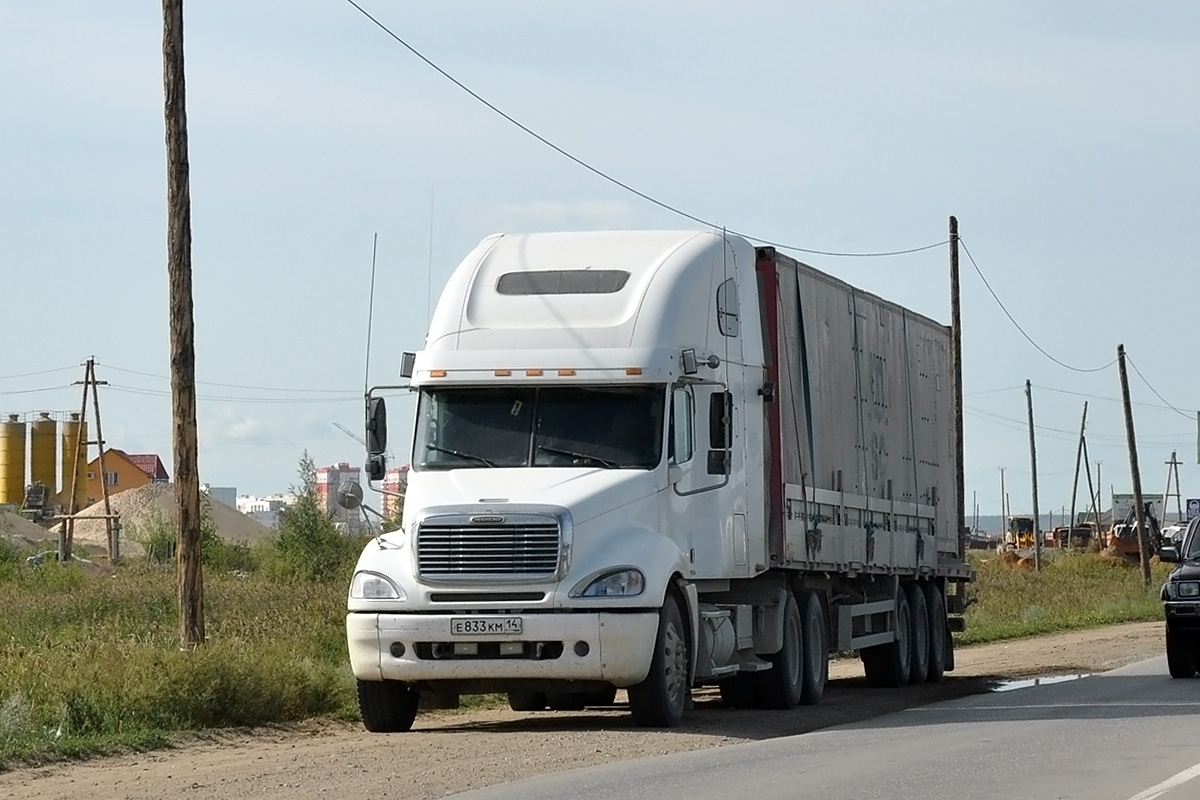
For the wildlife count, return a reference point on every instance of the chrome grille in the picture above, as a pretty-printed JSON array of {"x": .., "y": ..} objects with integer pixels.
[{"x": 527, "y": 549}]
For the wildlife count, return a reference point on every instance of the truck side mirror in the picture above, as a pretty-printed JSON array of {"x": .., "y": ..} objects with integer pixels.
[
  {"x": 407, "y": 362},
  {"x": 376, "y": 467},
  {"x": 1168, "y": 554},
  {"x": 376, "y": 426}
]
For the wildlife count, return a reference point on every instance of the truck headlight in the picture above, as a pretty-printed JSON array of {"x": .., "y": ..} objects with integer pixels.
[
  {"x": 373, "y": 586},
  {"x": 1188, "y": 589},
  {"x": 628, "y": 582}
]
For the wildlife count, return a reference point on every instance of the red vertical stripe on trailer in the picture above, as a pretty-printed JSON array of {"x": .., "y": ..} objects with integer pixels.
[{"x": 768, "y": 297}]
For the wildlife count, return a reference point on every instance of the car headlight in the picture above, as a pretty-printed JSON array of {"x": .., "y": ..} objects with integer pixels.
[
  {"x": 373, "y": 586},
  {"x": 1188, "y": 589},
  {"x": 628, "y": 582}
]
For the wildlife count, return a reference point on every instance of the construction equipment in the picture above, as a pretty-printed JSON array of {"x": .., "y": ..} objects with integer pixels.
[
  {"x": 1078, "y": 536},
  {"x": 1019, "y": 534},
  {"x": 1123, "y": 537}
]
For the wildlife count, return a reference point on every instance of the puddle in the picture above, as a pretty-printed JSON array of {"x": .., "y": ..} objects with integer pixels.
[{"x": 1025, "y": 683}]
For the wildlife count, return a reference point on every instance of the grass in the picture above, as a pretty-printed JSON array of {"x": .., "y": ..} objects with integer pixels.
[
  {"x": 1072, "y": 591},
  {"x": 90, "y": 662}
]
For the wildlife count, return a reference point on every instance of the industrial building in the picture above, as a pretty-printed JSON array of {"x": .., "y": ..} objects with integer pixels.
[{"x": 43, "y": 455}]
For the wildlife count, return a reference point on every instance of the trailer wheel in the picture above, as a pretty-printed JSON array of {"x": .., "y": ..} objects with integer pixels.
[
  {"x": 938, "y": 633},
  {"x": 781, "y": 686},
  {"x": 816, "y": 649},
  {"x": 387, "y": 706},
  {"x": 1181, "y": 661},
  {"x": 659, "y": 700},
  {"x": 889, "y": 664},
  {"x": 918, "y": 613}
]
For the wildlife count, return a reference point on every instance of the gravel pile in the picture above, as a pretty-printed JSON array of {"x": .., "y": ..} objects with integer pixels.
[
  {"x": 139, "y": 506},
  {"x": 17, "y": 529}
]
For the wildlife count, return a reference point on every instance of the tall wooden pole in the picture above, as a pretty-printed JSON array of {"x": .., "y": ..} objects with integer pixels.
[
  {"x": 1037, "y": 523},
  {"x": 1142, "y": 533},
  {"x": 1075, "y": 483},
  {"x": 183, "y": 355},
  {"x": 956, "y": 380},
  {"x": 1003, "y": 509}
]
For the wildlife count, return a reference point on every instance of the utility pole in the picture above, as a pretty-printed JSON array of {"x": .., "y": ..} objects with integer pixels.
[
  {"x": 1037, "y": 533},
  {"x": 183, "y": 352},
  {"x": 1003, "y": 509},
  {"x": 1075, "y": 483},
  {"x": 956, "y": 381},
  {"x": 1173, "y": 471},
  {"x": 1139, "y": 509}
]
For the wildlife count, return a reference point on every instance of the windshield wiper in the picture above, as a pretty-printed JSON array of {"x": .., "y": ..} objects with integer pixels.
[
  {"x": 467, "y": 456},
  {"x": 573, "y": 454}
]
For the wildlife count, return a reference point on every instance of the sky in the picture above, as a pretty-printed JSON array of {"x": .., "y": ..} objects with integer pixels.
[{"x": 1063, "y": 140}]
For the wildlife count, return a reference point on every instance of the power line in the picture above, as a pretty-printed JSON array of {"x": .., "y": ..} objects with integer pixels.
[
  {"x": 233, "y": 385},
  {"x": 1016, "y": 324},
  {"x": 616, "y": 182},
  {"x": 139, "y": 390},
  {"x": 1156, "y": 394},
  {"x": 35, "y": 391}
]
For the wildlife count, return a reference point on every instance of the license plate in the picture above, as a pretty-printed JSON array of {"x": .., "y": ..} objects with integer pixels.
[{"x": 474, "y": 626}]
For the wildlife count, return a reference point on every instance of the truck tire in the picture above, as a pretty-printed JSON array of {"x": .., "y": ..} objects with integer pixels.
[
  {"x": 527, "y": 701},
  {"x": 1181, "y": 660},
  {"x": 780, "y": 687},
  {"x": 659, "y": 700},
  {"x": 387, "y": 706},
  {"x": 816, "y": 649},
  {"x": 918, "y": 613},
  {"x": 889, "y": 664},
  {"x": 938, "y": 631}
]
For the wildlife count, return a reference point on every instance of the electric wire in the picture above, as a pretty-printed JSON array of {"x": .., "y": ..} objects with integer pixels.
[
  {"x": 141, "y": 390},
  {"x": 39, "y": 372},
  {"x": 615, "y": 181},
  {"x": 36, "y": 391},
  {"x": 1017, "y": 325},
  {"x": 1156, "y": 394},
  {"x": 233, "y": 385}
]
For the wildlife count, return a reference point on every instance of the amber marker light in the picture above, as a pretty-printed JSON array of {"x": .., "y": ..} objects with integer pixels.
[
  {"x": 633, "y": 370},
  {"x": 533, "y": 373},
  {"x": 437, "y": 373},
  {"x": 566, "y": 373},
  {"x": 503, "y": 373}
]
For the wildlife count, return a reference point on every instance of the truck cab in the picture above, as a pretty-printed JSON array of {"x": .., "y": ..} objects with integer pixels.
[{"x": 1181, "y": 602}]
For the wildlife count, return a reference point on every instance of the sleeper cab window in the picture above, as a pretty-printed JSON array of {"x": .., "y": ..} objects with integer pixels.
[{"x": 727, "y": 308}]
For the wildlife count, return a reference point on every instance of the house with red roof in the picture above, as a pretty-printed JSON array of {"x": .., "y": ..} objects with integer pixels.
[{"x": 124, "y": 471}]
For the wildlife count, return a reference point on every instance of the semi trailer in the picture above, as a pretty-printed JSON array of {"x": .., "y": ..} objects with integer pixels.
[{"x": 654, "y": 461}]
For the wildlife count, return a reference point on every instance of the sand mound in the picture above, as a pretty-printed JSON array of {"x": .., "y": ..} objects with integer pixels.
[
  {"x": 17, "y": 529},
  {"x": 138, "y": 507}
]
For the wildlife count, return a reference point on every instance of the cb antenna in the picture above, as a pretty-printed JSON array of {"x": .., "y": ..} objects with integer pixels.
[{"x": 370, "y": 315}]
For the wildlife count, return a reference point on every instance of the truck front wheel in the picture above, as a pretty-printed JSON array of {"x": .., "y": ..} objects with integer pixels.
[
  {"x": 659, "y": 700},
  {"x": 387, "y": 706}
]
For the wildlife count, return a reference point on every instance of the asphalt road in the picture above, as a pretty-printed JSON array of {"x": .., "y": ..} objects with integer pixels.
[{"x": 1129, "y": 734}]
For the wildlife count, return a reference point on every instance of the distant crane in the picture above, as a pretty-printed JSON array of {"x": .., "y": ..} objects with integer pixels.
[{"x": 358, "y": 438}]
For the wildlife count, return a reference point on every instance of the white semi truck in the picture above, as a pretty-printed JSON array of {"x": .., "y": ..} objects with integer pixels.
[{"x": 653, "y": 461}]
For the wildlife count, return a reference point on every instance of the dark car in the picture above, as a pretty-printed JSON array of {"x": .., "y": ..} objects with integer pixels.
[{"x": 1181, "y": 603}]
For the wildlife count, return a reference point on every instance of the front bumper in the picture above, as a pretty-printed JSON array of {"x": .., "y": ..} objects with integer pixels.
[
  {"x": 619, "y": 648},
  {"x": 1183, "y": 616}
]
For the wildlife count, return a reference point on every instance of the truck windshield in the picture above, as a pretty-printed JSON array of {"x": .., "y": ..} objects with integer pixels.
[{"x": 607, "y": 427}]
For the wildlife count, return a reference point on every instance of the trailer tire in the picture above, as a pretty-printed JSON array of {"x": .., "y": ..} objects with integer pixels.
[
  {"x": 816, "y": 649},
  {"x": 661, "y": 698},
  {"x": 889, "y": 664},
  {"x": 387, "y": 706},
  {"x": 527, "y": 701},
  {"x": 938, "y": 631},
  {"x": 781, "y": 686},
  {"x": 918, "y": 613},
  {"x": 1181, "y": 658}
]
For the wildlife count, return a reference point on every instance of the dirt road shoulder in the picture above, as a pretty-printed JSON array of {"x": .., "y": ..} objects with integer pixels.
[{"x": 454, "y": 751}]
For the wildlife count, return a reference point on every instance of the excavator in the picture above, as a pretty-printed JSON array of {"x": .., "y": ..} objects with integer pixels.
[{"x": 1123, "y": 537}]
